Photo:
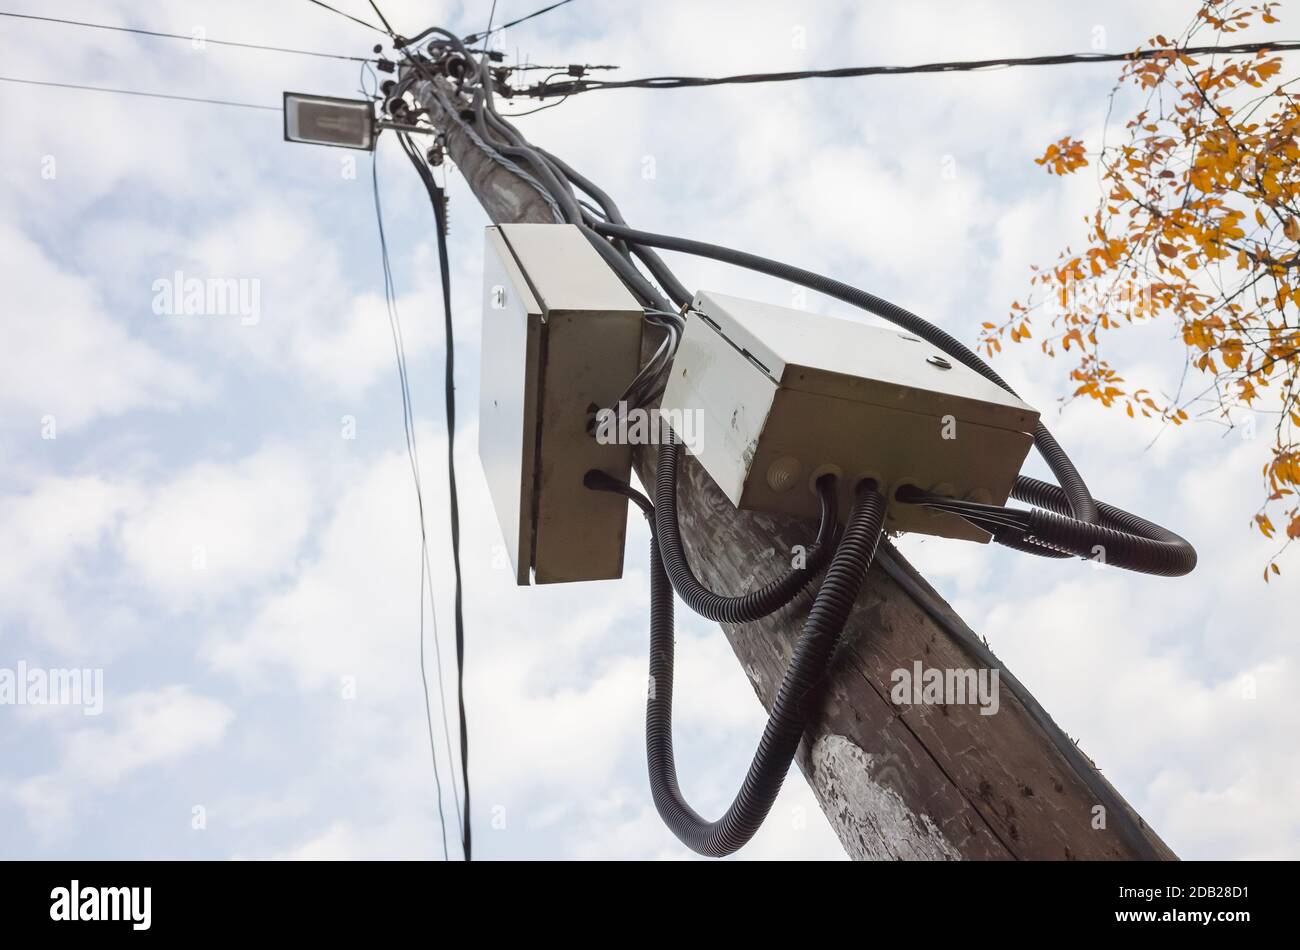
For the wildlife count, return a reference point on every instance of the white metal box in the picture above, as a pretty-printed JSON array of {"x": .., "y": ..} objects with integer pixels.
[
  {"x": 561, "y": 337},
  {"x": 776, "y": 397}
]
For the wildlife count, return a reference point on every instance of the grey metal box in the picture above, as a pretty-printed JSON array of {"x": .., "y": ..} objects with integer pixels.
[
  {"x": 561, "y": 335},
  {"x": 776, "y": 397}
]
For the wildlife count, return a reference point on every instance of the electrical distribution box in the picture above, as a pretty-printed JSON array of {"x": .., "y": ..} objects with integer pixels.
[
  {"x": 772, "y": 398},
  {"x": 561, "y": 338}
]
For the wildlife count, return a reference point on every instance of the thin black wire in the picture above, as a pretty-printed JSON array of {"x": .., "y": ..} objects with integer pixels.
[
  {"x": 438, "y": 199},
  {"x": 454, "y": 517},
  {"x": 182, "y": 36},
  {"x": 1061, "y": 59},
  {"x": 537, "y": 67},
  {"x": 146, "y": 95},
  {"x": 408, "y": 425},
  {"x": 382, "y": 19},
  {"x": 492, "y": 15},
  {"x": 405, "y": 141},
  {"x": 408, "y": 428},
  {"x": 549, "y": 105},
  {"x": 440, "y": 209},
  {"x": 349, "y": 16},
  {"x": 474, "y": 37},
  {"x": 426, "y": 565}
]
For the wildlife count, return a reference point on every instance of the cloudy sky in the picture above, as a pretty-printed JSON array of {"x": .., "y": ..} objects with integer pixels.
[{"x": 183, "y": 508}]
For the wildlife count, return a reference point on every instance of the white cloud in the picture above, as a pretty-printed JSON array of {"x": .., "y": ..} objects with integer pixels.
[
  {"x": 555, "y": 685},
  {"x": 56, "y": 525},
  {"x": 149, "y": 728},
  {"x": 141, "y": 730},
  {"x": 218, "y": 528},
  {"x": 65, "y": 357}
]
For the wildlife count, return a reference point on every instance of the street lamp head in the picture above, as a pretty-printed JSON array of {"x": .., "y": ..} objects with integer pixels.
[{"x": 324, "y": 120}]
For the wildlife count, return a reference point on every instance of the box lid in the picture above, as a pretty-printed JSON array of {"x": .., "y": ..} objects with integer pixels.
[{"x": 850, "y": 359}]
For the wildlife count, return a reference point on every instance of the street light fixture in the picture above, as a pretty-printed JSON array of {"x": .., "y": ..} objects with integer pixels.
[{"x": 325, "y": 120}]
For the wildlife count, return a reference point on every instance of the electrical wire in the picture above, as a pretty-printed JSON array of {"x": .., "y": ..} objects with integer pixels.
[
  {"x": 349, "y": 16},
  {"x": 560, "y": 70},
  {"x": 426, "y": 577},
  {"x": 382, "y": 19},
  {"x": 580, "y": 85},
  {"x": 767, "y": 599},
  {"x": 412, "y": 451},
  {"x": 645, "y": 385},
  {"x": 454, "y": 114},
  {"x": 512, "y": 142},
  {"x": 673, "y": 287},
  {"x": 550, "y": 105},
  {"x": 146, "y": 95},
  {"x": 492, "y": 15},
  {"x": 182, "y": 36},
  {"x": 798, "y": 697},
  {"x": 438, "y": 199},
  {"x": 474, "y": 37}
]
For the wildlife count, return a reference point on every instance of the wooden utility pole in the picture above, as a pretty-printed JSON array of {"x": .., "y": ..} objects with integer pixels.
[{"x": 895, "y": 781}]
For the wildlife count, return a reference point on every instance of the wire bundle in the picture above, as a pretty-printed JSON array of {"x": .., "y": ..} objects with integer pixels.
[
  {"x": 546, "y": 88},
  {"x": 797, "y": 699},
  {"x": 756, "y": 604}
]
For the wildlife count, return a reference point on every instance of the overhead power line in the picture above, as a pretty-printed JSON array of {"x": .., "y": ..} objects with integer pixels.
[
  {"x": 349, "y": 16},
  {"x": 475, "y": 37},
  {"x": 182, "y": 36},
  {"x": 382, "y": 19},
  {"x": 146, "y": 95},
  {"x": 413, "y": 456},
  {"x": 438, "y": 199},
  {"x": 492, "y": 15},
  {"x": 546, "y": 89}
]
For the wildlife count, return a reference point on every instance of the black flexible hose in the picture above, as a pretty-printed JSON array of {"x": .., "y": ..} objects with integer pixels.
[
  {"x": 796, "y": 699},
  {"x": 769, "y": 598},
  {"x": 1016, "y": 541},
  {"x": 1082, "y": 505},
  {"x": 1122, "y": 539}
]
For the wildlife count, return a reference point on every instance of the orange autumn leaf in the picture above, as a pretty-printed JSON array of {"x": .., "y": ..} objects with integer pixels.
[{"x": 1063, "y": 157}]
